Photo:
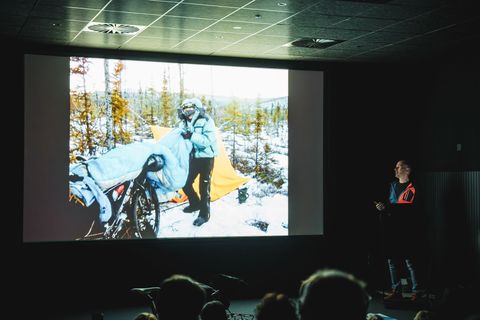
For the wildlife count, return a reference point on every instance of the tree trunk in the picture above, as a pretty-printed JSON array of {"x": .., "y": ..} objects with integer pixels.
[{"x": 108, "y": 107}]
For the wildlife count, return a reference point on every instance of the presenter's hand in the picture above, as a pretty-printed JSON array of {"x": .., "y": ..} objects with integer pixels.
[{"x": 379, "y": 205}]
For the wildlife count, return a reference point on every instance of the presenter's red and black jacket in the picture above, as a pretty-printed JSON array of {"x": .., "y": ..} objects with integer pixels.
[{"x": 401, "y": 193}]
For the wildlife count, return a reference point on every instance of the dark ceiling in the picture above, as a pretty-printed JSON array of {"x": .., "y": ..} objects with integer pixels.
[{"x": 375, "y": 30}]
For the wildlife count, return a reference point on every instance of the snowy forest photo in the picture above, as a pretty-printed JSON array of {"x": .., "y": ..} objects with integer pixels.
[{"x": 116, "y": 105}]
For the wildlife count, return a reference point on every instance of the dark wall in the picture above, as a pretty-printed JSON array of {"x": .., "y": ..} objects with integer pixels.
[
  {"x": 375, "y": 114},
  {"x": 451, "y": 153},
  {"x": 452, "y": 109},
  {"x": 378, "y": 115}
]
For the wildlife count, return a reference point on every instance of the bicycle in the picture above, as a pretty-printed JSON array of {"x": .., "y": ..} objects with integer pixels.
[{"x": 134, "y": 206}]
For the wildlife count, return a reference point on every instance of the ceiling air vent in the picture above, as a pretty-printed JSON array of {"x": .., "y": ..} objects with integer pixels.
[
  {"x": 114, "y": 28},
  {"x": 315, "y": 43}
]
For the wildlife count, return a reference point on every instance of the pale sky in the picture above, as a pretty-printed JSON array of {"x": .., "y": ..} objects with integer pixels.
[{"x": 239, "y": 82}]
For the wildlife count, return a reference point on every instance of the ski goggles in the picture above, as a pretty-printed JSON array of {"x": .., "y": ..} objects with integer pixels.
[{"x": 188, "y": 109}]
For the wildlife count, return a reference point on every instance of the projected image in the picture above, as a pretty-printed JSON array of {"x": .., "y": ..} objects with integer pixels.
[{"x": 168, "y": 150}]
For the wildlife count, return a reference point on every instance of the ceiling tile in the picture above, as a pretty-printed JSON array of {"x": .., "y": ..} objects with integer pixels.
[
  {"x": 100, "y": 40},
  {"x": 183, "y": 22},
  {"x": 309, "y": 32},
  {"x": 341, "y": 8},
  {"x": 356, "y": 45},
  {"x": 284, "y": 30},
  {"x": 290, "y": 5},
  {"x": 17, "y": 7},
  {"x": 311, "y": 19},
  {"x": 430, "y": 21},
  {"x": 92, "y": 4},
  {"x": 242, "y": 54},
  {"x": 167, "y": 33},
  {"x": 267, "y": 17},
  {"x": 254, "y": 47},
  {"x": 237, "y": 27},
  {"x": 364, "y": 24},
  {"x": 150, "y": 44},
  {"x": 384, "y": 37},
  {"x": 201, "y": 46},
  {"x": 293, "y": 57},
  {"x": 392, "y": 31},
  {"x": 268, "y": 40},
  {"x": 125, "y": 18},
  {"x": 225, "y": 37},
  {"x": 66, "y": 13},
  {"x": 47, "y": 34},
  {"x": 223, "y": 3},
  {"x": 199, "y": 11},
  {"x": 437, "y": 39},
  {"x": 338, "y": 54},
  {"x": 140, "y": 6},
  {"x": 52, "y": 26},
  {"x": 416, "y": 3},
  {"x": 295, "y": 51},
  {"x": 35, "y": 38},
  {"x": 398, "y": 51},
  {"x": 395, "y": 12}
]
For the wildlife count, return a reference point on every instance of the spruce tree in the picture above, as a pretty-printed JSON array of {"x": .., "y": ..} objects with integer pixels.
[
  {"x": 167, "y": 111},
  {"x": 119, "y": 108}
]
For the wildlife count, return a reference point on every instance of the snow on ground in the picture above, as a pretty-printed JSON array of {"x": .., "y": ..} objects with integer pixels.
[
  {"x": 266, "y": 207},
  {"x": 229, "y": 218}
]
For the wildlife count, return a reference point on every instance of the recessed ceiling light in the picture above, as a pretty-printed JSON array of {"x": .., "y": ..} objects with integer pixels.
[
  {"x": 281, "y": 4},
  {"x": 237, "y": 28},
  {"x": 315, "y": 43},
  {"x": 113, "y": 28}
]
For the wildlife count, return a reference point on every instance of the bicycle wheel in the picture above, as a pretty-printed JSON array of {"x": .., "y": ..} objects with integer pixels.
[{"x": 145, "y": 213}]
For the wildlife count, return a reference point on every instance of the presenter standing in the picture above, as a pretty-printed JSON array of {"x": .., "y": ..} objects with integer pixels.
[{"x": 401, "y": 231}]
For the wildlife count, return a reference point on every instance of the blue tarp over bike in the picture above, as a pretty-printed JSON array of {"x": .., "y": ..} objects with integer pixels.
[{"x": 126, "y": 162}]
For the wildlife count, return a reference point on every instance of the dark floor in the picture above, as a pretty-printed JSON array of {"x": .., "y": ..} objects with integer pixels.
[{"x": 238, "y": 306}]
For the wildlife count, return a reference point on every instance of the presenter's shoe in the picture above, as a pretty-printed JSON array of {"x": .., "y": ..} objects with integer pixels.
[
  {"x": 201, "y": 219},
  {"x": 393, "y": 295},
  {"x": 191, "y": 208}
]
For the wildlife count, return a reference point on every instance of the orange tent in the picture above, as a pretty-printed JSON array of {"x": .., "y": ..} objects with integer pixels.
[{"x": 224, "y": 177}]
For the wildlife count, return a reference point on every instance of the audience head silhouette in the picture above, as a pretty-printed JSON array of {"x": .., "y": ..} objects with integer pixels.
[
  {"x": 145, "y": 316},
  {"x": 333, "y": 294},
  {"x": 214, "y": 310},
  {"x": 180, "y": 298},
  {"x": 423, "y": 315},
  {"x": 275, "y": 306}
]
